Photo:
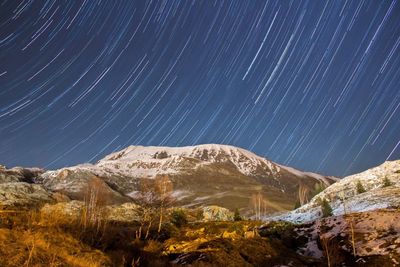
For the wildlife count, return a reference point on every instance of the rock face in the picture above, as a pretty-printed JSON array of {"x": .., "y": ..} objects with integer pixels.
[
  {"x": 80, "y": 184},
  {"x": 215, "y": 213},
  {"x": 19, "y": 174},
  {"x": 371, "y": 238},
  {"x": 220, "y": 175},
  {"x": 21, "y": 194},
  {"x": 17, "y": 188},
  {"x": 127, "y": 212},
  {"x": 382, "y": 190}
]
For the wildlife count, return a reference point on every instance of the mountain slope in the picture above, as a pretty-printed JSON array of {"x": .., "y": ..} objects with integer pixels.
[
  {"x": 201, "y": 175},
  {"x": 344, "y": 197}
]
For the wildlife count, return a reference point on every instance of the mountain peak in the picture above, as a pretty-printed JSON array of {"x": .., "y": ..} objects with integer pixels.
[
  {"x": 167, "y": 159},
  {"x": 202, "y": 174},
  {"x": 134, "y": 151}
]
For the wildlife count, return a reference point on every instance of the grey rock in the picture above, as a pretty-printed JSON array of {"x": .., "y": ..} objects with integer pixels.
[
  {"x": 77, "y": 184},
  {"x": 216, "y": 213},
  {"x": 21, "y": 194},
  {"x": 127, "y": 212},
  {"x": 19, "y": 174},
  {"x": 344, "y": 198}
]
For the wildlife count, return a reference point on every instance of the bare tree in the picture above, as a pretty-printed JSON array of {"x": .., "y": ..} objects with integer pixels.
[
  {"x": 259, "y": 205},
  {"x": 95, "y": 198},
  {"x": 164, "y": 189},
  {"x": 327, "y": 244},
  {"x": 349, "y": 220},
  {"x": 155, "y": 195},
  {"x": 303, "y": 193}
]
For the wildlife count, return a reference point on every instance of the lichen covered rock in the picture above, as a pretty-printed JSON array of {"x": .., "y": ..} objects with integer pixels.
[
  {"x": 216, "y": 213},
  {"x": 21, "y": 194}
]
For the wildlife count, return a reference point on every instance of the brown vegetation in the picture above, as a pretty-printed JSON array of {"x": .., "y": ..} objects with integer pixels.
[{"x": 37, "y": 238}]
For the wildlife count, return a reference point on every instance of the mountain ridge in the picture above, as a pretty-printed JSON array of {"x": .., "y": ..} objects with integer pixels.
[{"x": 204, "y": 174}]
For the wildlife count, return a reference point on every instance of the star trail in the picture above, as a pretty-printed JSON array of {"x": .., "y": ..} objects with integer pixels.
[{"x": 310, "y": 84}]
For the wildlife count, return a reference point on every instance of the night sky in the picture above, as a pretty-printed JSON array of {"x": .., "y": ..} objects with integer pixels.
[{"x": 310, "y": 84}]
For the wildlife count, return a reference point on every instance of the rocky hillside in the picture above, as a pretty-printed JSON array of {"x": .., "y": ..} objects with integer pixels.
[
  {"x": 17, "y": 188},
  {"x": 201, "y": 175},
  {"x": 55, "y": 228},
  {"x": 368, "y": 238},
  {"x": 19, "y": 174},
  {"x": 373, "y": 189}
]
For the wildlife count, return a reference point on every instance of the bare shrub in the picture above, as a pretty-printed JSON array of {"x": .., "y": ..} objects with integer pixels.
[
  {"x": 348, "y": 217},
  {"x": 360, "y": 188},
  {"x": 386, "y": 182},
  {"x": 318, "y": 188},
  {"x": 332, "y": 250},
  {"x": 326, "y": 245},
  {"x": 179, "y": 218}
]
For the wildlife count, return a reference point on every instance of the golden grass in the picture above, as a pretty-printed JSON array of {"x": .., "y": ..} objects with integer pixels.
[
  {"x": 31, "y": 238},
  {"x": 45, "y": 247}
]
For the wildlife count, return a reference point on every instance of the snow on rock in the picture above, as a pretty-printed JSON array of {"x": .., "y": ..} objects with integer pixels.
[
  {"x": 19, "y": 174},
  {"x": 149, "y": 161},
  {"x": 370, "y": 179},
  {"x": 192, "y": 170},
  {"x": 316, "y": 176},
  {"x": 343, "y": 196},
  {"x": 376, "y": 233},
  {"x": 180, "y": 194}
]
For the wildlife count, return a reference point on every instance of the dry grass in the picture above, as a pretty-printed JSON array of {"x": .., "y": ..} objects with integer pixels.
[
  {"x": 57, "y": 238},
  {"x": 46, "y": 247},
  {"x": 34, "y": 238}
]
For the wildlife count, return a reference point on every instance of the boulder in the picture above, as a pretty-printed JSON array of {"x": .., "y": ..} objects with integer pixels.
[
  {"x": 127, "y": 212},
  {"x": 216, "y": 213}
]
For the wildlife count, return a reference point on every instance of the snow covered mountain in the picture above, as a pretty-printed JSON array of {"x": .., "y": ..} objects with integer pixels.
[
  {"x": 204, "y": 174},
  {"x": 382, "y": 190}
]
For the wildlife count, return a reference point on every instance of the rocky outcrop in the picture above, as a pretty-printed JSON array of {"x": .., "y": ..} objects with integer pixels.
[
  {"x": 21, "y": 194},
  {"x": 215, "y": 213},
  {"x": 382, "y": 190},
  {"x": 127, "y": 212},
  {"x": 370, "y": 238},
  {"x": 19, "y": 174},
  {"x": 79, "y": 184}
]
